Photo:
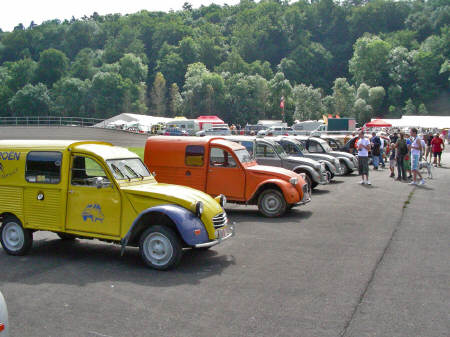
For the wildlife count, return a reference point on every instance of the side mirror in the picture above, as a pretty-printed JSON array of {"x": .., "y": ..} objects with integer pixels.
[{"x": 101, "y": 182}]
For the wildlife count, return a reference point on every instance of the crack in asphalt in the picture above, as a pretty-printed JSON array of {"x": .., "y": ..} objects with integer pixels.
[{"x": 344, "y": 331}]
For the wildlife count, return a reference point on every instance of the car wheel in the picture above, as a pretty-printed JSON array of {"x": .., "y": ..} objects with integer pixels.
[
  {"x": 271, "y": 203},
  {"x": 160, "y": 247},
  {"x": 330, "y": 174},
  {"x": 15, "y": 239},
  {"x": 66, "y": 237}
]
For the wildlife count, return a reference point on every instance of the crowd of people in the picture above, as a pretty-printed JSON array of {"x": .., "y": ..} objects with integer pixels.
[{"x": 407, "y": 152}]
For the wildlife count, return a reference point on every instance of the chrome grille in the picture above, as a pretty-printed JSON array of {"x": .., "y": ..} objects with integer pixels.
[{"x": 220, "y": 220}]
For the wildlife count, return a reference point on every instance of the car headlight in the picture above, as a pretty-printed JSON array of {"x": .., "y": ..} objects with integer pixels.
[
  {"x": 293, "y": 181},
  {"x": 199, "y": 208}
]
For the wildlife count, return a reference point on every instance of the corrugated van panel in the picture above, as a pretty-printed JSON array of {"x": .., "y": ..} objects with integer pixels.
[
  {"x": 11, "y": 200},
  {"x": 43, "y": 213}
]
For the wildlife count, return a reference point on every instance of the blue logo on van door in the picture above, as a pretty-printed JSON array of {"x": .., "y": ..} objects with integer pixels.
[{"x": 93, "y": 212}]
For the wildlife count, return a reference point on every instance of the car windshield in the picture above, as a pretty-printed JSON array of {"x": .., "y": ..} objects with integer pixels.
[
  {"x": 127, "y": 168},
  {"x": 279, "y": 150},
  {"x": 300, "y": 146},
  {"x": 325, "y": 146},
  {"x": 243, "y": 156}
]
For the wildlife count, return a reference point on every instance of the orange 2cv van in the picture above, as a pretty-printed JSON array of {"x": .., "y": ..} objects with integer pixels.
[{"x": 217, "y": 166}]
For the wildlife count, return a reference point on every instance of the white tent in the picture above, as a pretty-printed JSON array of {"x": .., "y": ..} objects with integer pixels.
[
  {"x": 144, "y": 121},
  {"x": 427, "y": 122}
]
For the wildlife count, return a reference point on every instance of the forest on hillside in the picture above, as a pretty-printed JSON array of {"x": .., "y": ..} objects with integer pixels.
[{"x": 353, "y": 58}]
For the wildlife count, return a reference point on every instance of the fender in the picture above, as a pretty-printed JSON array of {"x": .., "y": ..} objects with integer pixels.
[
  {"x": 185, "y": 221},
  {"x": 290, "y": 193},
  {"x": 348, "y": 162},
  {"x": 314, "y": 175}
]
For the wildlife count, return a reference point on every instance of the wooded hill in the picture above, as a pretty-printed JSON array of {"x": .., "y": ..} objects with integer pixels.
[{"x": 353, "y": 58}]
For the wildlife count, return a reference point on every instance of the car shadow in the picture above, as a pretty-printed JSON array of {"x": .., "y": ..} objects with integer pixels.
[
  {"x": 83, "y": 262},
  {"x": 243, "y": 214},
  {"x": 335, "y": 182},
  {"x": 319, "y": 192}
]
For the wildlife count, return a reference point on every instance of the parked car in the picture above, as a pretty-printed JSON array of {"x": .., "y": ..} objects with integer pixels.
[
  {"x": 295, "y": 148},
  {"x": 215, "y": 130},
  {"x": 96, "y": 190},
  {"x": 268, "y": 152},
  {"x": 253, "y": 129},
  {"x": 217, "y": 166},
  {"x": 175, "y": 132},
  {"x": 336, "y": 142},
  {"x": 277, "y": 130},
  {"x": 4, "y": 325},
  {"x": 317, "y": 145}
]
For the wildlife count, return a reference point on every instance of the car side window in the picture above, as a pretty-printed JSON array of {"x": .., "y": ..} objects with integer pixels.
[
  {"x": 248, "y": 146},
  {"x": 43, "y": 167},
  {"x": 87, "y": 172},
  {"x": 195, "y": 155},
  {"x": 221, "y": 158},
  {"x": 265, "y": 151},
  {"x": 289, "y": 148},
  {"x": 314, "y": 147}
]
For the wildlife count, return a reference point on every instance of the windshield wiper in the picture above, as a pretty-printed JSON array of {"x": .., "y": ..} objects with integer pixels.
[{"x": 134, "y": 172}]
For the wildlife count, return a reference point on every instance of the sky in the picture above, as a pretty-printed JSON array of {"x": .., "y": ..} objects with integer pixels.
[{"x": 13, "y": 12}]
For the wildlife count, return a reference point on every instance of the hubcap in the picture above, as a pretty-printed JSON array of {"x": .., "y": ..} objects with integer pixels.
[
  {"x": 158, "y": 249},
  {"x": 13, "y": 236},
  {"x": 271, "y": 203}
]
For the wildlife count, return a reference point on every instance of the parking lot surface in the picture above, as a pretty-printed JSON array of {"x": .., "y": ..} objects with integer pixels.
[{"x": 357, "y": 261}]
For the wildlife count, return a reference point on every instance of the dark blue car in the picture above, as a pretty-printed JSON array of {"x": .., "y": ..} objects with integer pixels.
[{"x": 175, "y": 132}]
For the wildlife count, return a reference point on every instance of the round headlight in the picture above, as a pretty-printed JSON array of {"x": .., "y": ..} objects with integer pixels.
[
  {"x": 199, "y": 208},
  {"x": 293, "y": 181},
  {"x": 223, "y": 200}
]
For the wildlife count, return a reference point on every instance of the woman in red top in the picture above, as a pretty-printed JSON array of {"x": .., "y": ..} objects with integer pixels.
[{"x": 437, "y": 146}]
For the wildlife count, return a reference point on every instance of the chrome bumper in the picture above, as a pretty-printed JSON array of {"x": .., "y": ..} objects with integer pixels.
[{"x": 218, "y": 240}]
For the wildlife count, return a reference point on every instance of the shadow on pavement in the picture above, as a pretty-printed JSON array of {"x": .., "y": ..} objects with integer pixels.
[
  {"x": 83, "y": 262},
  {"x": 319, "y": 192}
]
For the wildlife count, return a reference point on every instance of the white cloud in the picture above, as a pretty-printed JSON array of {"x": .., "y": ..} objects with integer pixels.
[{"x": 14, "y": 12}]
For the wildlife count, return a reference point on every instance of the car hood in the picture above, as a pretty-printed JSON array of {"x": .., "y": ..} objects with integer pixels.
[
  {"x": 174, "y": 194},
  {"x": 318, "y": 156},
  {"x": 272, "y": 171},
  {"x": 343, "y": 154},
  {"x": 302, "y": 160}
]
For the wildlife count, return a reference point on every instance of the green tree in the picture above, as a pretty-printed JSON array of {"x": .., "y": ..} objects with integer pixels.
[
  {"x": 376, "y": 99},
  {"x": 172, "y": 67},
  {"x": 175, "y": 101},
  {"x": 343, "y": 97},
  {"x": 107, "y": 91},
  {"x": 83, "y": 65},
  {"x": 158, "y": 95},
  {"x": 369, "y": 61},
  {"x": 363, "y": 111},
  {"x": 70, "y": 96},
  {"x": 308, "y": 103},
  {"x": 20, "y": 73},
  {"x": 31, "y": 100},
  {"x": 51, "y": 67},
  {"x": 132, "y": 67},
  {"x": 279, "y": 87}
]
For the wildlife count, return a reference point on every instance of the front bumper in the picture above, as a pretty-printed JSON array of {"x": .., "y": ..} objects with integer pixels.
[{"x": 224, "y": 233}]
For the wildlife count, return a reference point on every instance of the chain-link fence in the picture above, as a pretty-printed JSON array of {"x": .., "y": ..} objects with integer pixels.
[{"x": 48, "y": 121}]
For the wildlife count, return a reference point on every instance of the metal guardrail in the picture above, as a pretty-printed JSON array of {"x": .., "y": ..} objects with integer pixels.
[{"x": 48, "y": 121}]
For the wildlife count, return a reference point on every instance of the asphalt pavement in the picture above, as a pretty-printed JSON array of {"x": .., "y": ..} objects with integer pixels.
[{"x": 357, "y": 261}]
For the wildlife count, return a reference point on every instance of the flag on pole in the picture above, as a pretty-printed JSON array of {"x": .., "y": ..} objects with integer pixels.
[{"x": 282, "y": 102}]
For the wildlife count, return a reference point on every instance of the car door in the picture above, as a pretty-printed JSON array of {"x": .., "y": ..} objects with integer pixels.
[
  {"x": 225, "y": 175},
  {"x": 93, "y": 201},
  {"x": 265, "y": 155}
]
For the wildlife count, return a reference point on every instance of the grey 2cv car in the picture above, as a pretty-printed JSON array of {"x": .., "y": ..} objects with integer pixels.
[
  {"x": 268, "y": 152},
  {"x": 295, "y": 148},
  {"x": 318, "y": 145}
]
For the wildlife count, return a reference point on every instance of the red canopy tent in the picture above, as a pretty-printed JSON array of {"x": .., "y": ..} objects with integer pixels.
[{"x": 378, "y": 123}]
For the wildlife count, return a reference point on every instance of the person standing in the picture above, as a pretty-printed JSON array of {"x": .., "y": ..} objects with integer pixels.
[
  {"x": 428, "y": 152},
  {"x": 416, "y": 148},
  {"x": 376, "y": 144},
  {"x": 401, "y": 150},
  {"x": 437, "y": 145},
  {"x": 392, "y": 160},
  {"x": 382, "y": 151},
  {"x": 363, "y": 147}
]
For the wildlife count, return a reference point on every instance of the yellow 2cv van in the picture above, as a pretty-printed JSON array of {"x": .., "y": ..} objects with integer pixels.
[{"x": 90, "y": 189}]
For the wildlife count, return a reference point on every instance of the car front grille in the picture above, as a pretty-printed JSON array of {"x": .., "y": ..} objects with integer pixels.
[{"x": 220, "y": 220}]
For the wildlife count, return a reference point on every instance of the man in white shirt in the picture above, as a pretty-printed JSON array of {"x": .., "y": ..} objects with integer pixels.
[
  {"x": 416, "y": 148},
  {"x": 381, "y": 161},
  {"x": 363, "y": 147}
]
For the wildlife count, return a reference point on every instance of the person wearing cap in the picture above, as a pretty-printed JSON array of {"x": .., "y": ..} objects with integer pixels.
[{"x": 363, "y": 147}]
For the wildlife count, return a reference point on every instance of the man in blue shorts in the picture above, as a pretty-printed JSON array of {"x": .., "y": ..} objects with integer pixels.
[{"x": 416, "y": 148}]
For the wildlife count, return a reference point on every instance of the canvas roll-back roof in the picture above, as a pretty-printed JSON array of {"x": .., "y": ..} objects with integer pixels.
[{"x": 98, "y": 148}]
